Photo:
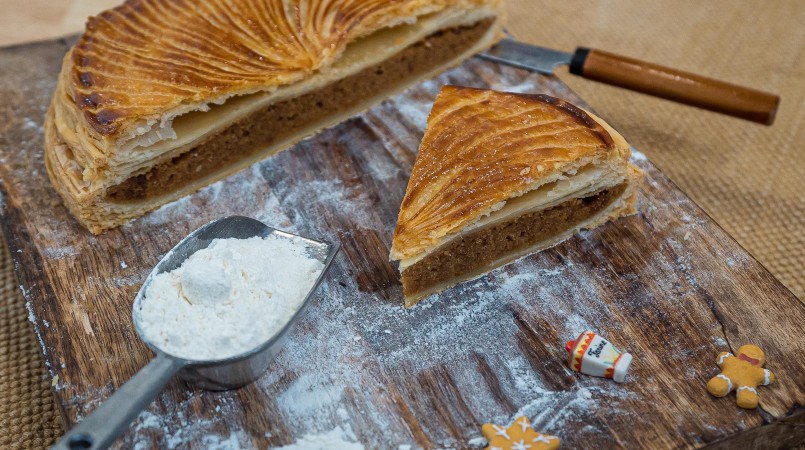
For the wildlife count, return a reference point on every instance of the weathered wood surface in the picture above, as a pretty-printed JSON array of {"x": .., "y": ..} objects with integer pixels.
[{"x": 668, "y": 285}]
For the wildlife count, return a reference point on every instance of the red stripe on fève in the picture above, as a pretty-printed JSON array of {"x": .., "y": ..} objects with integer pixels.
[
  {"x": 581, "y": 349},
  {"x": 611, "y": 371}
]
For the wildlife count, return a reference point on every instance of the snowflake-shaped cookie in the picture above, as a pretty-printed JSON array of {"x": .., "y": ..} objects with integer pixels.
[{"x": 519, "y": 436}]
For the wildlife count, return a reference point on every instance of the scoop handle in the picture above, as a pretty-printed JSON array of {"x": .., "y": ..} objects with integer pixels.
[
  {"x": 108, "y": 421},
  {"x": 676, "y": 85}
]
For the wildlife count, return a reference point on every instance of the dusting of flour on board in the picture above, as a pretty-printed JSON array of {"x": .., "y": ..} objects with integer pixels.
[
  {"x": 481, "y": 314},
  {"x": 175, "y": 431},
  {"x": 337, "y": 438},
  {"x": 371, "y": 340}
]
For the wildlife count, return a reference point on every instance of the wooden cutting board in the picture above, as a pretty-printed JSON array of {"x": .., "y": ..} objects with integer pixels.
[{"x": 668, "y": 285}]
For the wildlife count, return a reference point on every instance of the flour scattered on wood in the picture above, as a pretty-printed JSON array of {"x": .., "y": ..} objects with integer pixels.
[
  {"x": 176, "y": 431},
  {"x": 241, "y": 192},
  {"x": 30, "y": 124},
  {"x": 337, "y": 438},
  {"x": 354, "y": 204},
  {"x": 59, "y": 252},
  {"x": 422, "y": 342},
  {"x": 479, "y": 441}
]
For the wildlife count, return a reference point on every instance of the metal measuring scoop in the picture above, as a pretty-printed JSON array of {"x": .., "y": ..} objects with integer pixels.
[{"x": 112, "y": 418}]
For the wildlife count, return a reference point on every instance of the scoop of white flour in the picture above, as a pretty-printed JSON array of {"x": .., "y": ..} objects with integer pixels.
[
  {"x": 228, "y": 298},
  {"x": 204, "y": 282}
]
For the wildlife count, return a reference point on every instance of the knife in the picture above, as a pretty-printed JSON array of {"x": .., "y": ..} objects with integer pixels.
[{"x": 641, "y": 76}]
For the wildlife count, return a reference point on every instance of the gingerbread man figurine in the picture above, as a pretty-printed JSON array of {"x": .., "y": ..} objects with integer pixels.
[{"x": 743, "y": 373}]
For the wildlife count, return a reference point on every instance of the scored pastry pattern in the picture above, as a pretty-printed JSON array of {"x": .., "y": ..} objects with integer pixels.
[
  {"x": 475, "y": 156},
  {"x": 148, "y": 56}
]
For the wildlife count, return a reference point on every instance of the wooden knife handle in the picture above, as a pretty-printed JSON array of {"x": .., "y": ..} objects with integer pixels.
[{"x": 676, "y": 85}]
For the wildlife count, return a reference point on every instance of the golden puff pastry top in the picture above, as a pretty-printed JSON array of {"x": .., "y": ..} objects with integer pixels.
[
  {"x": 146, "y": 58},
  {"x": 482, "y": 147}
]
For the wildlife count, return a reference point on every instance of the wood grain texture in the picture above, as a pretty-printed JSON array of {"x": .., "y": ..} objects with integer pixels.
[{"x": 667, "y": 285}]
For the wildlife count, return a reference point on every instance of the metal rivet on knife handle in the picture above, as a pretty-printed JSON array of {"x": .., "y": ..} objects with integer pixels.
[{"x": 676, "y": 85}]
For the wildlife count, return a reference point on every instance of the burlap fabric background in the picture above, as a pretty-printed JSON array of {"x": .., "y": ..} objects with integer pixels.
[{"x": 749, "y": 178}]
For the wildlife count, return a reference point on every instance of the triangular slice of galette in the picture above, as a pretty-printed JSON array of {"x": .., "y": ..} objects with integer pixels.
[{"x": 500, "y": 175}]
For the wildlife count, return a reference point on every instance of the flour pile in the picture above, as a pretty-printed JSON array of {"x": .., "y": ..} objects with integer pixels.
[{"x": 228, "y": 298}]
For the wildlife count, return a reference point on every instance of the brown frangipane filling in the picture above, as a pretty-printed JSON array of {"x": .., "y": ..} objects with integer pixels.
[
  {"x": 481, "y": 247},
  {"x": 274, "y": 122}
]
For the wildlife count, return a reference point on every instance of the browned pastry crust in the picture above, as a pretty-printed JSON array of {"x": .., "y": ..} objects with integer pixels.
[
  {"x": 153, "y": 80},
  {"x": 500, "y": 175},
  {"x": 148, "y": 57}
]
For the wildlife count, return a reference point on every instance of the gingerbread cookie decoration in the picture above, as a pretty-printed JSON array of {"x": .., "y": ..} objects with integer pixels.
[
  {"x": 742, "y": 373},
  {"x": 519, "y": 436}
]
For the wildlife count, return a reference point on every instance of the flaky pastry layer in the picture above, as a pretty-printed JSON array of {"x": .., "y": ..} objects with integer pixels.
[
  {"x": 84, "y": 165},
  {"x": 143, "y": 62},
  {"x": 483, "y": 149},
  {"x": 623, "y": 205}
]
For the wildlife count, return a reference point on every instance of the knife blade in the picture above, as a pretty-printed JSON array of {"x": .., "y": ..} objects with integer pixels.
[
  {"x": 641, "y": 76},
  {"x": 525, "y": 56}
]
